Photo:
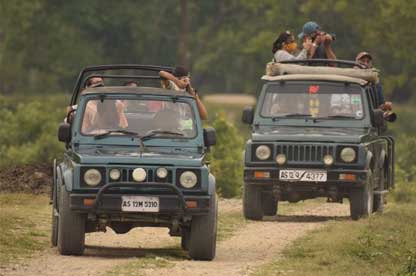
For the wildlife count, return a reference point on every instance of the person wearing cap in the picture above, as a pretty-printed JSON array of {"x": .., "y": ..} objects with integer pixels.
[
  {"x": 365, "y": 59},
  {"x": 180, "y": 80},
  {"x": 321, "y": 41},
  {"x": 285, "y": 46}
]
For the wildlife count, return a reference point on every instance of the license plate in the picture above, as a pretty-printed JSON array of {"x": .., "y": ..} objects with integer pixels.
[
  {"x": 303, "y": 175},
  {"x": 139, "y": 204}
]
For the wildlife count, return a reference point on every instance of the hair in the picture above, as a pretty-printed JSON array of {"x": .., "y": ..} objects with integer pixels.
[
  {"x": 278, "y": 43},
  {"x": 180, "y": 72}
]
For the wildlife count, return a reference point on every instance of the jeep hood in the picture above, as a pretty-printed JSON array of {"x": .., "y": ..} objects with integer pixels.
[
  {"x": 315, "y": 134},
  {"x": 132, "y": 155}
]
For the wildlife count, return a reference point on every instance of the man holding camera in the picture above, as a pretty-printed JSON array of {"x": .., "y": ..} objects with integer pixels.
[{"x": 321, "y": 41}]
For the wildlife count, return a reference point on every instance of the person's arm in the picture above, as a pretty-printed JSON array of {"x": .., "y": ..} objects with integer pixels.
[
  {"x": 314, "y": 46},
  {"x": 203, "y": 113},
  {"x": 166, "y": 77},
  {"x": 328, "y": 49}
]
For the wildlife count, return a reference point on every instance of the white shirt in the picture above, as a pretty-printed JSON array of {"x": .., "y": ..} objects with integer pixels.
[{"x": 282, "y": 55}]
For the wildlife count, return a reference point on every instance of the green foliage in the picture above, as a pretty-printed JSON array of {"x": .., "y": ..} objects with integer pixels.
[
  {"x": 44, "y": 43},
  {"x": 226, "y": 157},
  {"x": 28, "y": 131}
]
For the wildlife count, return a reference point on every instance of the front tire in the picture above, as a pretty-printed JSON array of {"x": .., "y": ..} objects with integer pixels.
[
  {"x": 361, "y": 199},
  {"x": 252, "y": 206},
  {"x": 269, "y": 204},
  {"x": 71, "y": 227},
  {"x": 55, "y": 219},
  {"x": 203, "y": 233}
]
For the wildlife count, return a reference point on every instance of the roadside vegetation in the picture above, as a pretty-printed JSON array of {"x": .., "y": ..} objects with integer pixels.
[{"x": 24, "y": 226}]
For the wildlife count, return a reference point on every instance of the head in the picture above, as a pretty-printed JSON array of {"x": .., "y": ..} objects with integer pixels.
[
  {"x": 310, "y": 29},
  {"x": 131, "y": 84},
  {"x": 286, "y": 42},
  {"x": 181, "y": 72},
  {"x": 94, "y": 82},
  {"x": 365, "y": 59}
]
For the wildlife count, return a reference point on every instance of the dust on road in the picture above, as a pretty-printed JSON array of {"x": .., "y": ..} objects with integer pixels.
[{"x": 253, "y": 245}]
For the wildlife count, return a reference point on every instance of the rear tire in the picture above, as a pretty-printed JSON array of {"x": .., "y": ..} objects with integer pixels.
[
  {"x": 71, "y": 227},
  {"x": 55, "y": 219},
  {"x": 269, "y": 204},
  {"x": 378, "y": 205},
  {"x": 203, "y": 234},
  {"x": 252, "y": 206},
  {"x": 361, "y": 199}
]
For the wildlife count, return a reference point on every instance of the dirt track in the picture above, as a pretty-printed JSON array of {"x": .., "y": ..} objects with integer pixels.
[{"x": 253, "y": 245}]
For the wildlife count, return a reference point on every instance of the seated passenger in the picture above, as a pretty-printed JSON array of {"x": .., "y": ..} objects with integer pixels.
[
  {"x": 180, "y": 80},
  {"x": 131, "y": 83},
  {"x": 364, "y": 58},
  {"x": 321, "y": 41},
  {"x": 285, "y": 46},
  {"x": 103, "y": 115}
]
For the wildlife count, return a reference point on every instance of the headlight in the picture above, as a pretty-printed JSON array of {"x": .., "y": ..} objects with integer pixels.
[
  {"x": 188, "y": 179},
  {"x": 281, "y": 159},
  {"x": 348, "y": 154},
  {"x": 92, "y": 177},
  {"x": 162, "y": 173},
  {"x": 328, "y": 160},
  {"x": 139, "y": 174},
  {"x": 263, "y": 152},
  {"x": 115, "y": 174}
]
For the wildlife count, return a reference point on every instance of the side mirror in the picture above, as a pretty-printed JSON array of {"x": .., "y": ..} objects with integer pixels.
[
  {"x": 64, "y": 132},
  {"x": 248, "y": 115},
  {"x": 379, "y": 118},
  {"x": 210, "y": 136}
]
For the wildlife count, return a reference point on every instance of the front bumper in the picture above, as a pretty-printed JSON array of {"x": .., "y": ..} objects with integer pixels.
[
  {"x": 107, "y": 202},
  {"x": 333, "y": 177}
]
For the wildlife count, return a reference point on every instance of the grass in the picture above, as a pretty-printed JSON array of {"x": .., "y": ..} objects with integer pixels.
[
  {"x": 381, "y": 245},
  {"x": 228, "y": 224},
  {"x": 24, "y": 226}
]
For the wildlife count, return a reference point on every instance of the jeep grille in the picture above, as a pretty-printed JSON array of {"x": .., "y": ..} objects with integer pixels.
[{"x": 305, "y": 153}]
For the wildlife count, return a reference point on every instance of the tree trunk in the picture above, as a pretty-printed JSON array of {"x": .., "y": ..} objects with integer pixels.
[{"x": 183, "y": 55}]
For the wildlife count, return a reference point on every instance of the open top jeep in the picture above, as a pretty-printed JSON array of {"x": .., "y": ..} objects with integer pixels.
[
  {"x": 317, "y": 132},
  {"x": 134, "y": 158}
]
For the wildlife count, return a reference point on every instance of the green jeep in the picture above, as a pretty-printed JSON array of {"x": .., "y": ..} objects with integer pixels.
[
  {"x": 148, "y": 173},
  {"x": 317, "y": 132}
]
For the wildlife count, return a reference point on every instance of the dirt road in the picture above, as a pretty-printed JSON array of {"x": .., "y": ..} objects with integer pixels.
[{"x": 254, "y": 244}]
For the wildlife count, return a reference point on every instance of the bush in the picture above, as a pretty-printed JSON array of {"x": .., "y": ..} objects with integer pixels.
[
  {"x": 28, "y": 133},
  {"x": 226, "y": 157}
]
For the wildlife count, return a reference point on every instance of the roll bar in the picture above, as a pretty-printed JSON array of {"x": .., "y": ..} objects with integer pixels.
[{"x": 83, "y": 75}]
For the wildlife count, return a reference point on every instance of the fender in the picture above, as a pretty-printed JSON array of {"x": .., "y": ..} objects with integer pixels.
[
  {"x": 369, "y": 163},
  {"x": 211, "y": 184},
  {"x": 66, "y": 177},
  {"x": 382, "y": 160}
]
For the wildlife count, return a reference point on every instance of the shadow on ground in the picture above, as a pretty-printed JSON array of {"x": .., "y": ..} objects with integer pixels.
[
  {"x": 175, "y": 253},
  {"x": 305, "y": 218}
]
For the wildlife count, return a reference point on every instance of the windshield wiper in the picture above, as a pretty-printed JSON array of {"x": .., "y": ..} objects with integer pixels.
[
  {"x": 292, "y": 115},
  {"x": 338, "y": 117},
  {"x": 121, "y": 131},
  {"x": 155, "y": 132}
]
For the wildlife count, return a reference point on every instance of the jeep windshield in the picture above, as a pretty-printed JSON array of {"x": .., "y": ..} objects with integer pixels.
[
  {"x": 138, "y": 117},
  {"x": 323, "y": 101}
]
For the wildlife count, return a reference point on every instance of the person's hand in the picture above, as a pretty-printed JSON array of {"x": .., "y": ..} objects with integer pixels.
[
  {"x": 327, "y": 39},
  {"x": 307, "y": 44}
]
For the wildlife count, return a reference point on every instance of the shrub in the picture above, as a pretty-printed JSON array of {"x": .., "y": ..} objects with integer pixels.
[{"x": 226, "y": 157}]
